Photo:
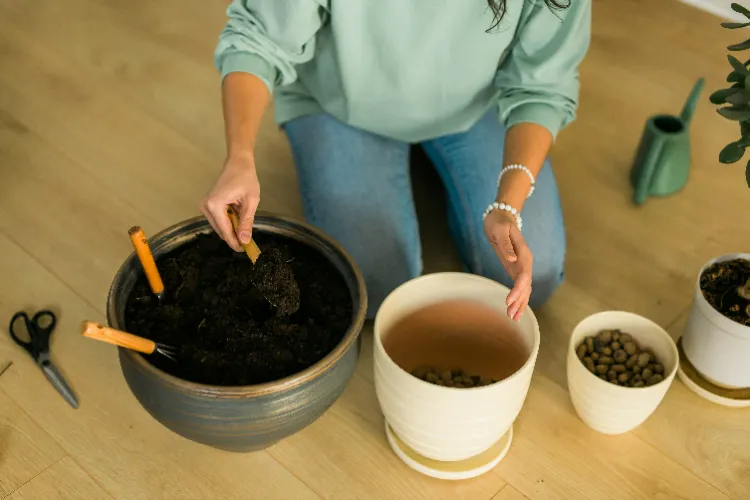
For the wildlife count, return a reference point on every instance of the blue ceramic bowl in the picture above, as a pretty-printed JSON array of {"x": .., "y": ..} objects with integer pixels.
[{"x": 243, "y": 418}]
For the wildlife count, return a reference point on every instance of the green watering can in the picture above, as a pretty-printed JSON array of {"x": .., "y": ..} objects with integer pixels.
[{"x": 662, "y": 162}]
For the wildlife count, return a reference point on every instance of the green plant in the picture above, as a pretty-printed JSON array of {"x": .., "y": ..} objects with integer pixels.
[{"x": 737, "y": 97}]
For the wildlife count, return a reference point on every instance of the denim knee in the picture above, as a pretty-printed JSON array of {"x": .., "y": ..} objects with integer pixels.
[
  {"x": 355, "y": 187},
  {"x": 383, "y": 272},
  {"x": 546, "y": 278}
]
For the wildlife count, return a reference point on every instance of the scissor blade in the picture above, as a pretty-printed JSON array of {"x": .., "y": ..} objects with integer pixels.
[{"x": 60, "y": 384}]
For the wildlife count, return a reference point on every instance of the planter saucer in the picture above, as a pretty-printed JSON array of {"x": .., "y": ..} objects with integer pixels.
[
  {"x": 737, "y": 398},
  {"x": 461, "y": 469}
]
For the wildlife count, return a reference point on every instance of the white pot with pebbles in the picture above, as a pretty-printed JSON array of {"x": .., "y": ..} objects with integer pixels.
[
  {"x": 452, "y": 372},
  {"x": 619, "y": 367}
]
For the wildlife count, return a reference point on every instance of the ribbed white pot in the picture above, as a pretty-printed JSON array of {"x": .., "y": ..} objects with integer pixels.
[
  {"x": 610, "y": 408},
  {"x": 716, "y": 346},
  {"x": 445, "y": 423}
]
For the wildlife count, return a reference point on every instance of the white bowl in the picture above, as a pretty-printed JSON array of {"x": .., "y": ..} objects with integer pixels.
[
  {"x": 445, "y": 423},
  {"x": 606, "y": 407}
]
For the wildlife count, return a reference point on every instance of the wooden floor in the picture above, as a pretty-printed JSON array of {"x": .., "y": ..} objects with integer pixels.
[{"x": 110, "y": 116}]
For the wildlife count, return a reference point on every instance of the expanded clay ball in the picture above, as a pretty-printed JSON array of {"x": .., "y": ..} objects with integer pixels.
[
  {"x": 450, "y": 378},
  {"x": 616, "y": 357}
]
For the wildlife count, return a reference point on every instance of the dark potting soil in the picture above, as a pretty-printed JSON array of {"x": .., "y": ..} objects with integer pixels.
[
  {"x": 273, "y": 277},
  {"x": 719, "y": 284},
  {"x": 226, "y": 330}
]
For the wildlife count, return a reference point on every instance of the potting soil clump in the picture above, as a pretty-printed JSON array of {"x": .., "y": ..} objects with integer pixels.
[
  {"x": 235, "y": 323},
  {"x": 274, "y": 278},
  {"x": 720, "y": 284}
]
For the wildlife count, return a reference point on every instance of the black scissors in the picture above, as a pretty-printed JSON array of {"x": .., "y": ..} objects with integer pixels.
[{"x": 40, "y": 328}]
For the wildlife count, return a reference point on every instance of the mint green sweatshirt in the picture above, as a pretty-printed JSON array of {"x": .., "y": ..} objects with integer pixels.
[{"x": 411, "y": 69}]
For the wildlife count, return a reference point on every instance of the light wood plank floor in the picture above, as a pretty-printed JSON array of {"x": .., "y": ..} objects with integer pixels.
[{"x": 109, "y": 117}]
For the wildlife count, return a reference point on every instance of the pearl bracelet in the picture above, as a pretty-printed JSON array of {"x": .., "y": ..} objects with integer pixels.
[
  {"x": 507, "y": 208},
  {"x": 518, "y": 167}
]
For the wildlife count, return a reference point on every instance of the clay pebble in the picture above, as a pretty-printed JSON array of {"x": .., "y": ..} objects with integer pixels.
[
  {"x": 452, "y": 378},
  {"x": 616, "y": 357}
]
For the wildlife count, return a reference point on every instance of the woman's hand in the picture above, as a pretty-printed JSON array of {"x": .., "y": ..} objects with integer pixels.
[
  {"x": 515, "y": 255},
  {"x": 237, "y": 186}
]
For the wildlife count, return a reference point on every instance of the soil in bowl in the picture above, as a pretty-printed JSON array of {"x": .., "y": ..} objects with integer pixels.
[
  {"x": 226, "y": 329},
  {"x": 457, "y": 343},
  {"x": 723, "y": 285}
]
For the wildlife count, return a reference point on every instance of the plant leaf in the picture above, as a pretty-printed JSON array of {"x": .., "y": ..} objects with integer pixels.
[
  {"x": 744, "y": 133},
  {"x": 734, "y": 26},
  {"x": 732, "y": 152},
  {"x": 740, "y": 46},
  {"x": 720, "y": 96},
  {"x": 736, "y": 76},
  {"x": 735, "y": 113},
  {"x": 747, "y": 173},
  {"x": 740, "y": 9},
  {"x": 737, "y": 65},
  {"x": 739, "y": 98}
]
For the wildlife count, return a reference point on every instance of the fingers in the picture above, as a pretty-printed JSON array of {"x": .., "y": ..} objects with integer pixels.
[
  {"x": 516, "y": 311},
  {"x": 226, "y": 230},
  {"x": 521, "y": 308},
  {"x": 238, "y": 187},
  {"x": 216, "y": 214},
  {"x": 516, "y": 258},
  {"x": 518, "y": 298},
  {"x": 207, "y": 214},
  {"x": 246, "y": 218}
]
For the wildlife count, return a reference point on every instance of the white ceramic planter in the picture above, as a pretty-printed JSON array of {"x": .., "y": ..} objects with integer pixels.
[
  {"x": 444, "y": 423},
  {"x": 609, "y": 408},
  {"x": 717, "y": 347}
]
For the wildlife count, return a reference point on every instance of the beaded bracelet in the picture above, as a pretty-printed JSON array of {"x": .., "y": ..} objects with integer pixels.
[
  {"x": 518, "y": 167},
  {"x": 507, "y": 208}
]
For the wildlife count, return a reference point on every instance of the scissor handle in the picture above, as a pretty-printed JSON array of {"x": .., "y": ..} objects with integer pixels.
[
  {"x": 38, "y": 335},
  {"x": 40, "y": 316}
]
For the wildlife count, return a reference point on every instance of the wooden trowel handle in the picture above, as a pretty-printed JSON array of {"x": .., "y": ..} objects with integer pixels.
[
  {"x": 147, "y": 260},
  {"x": 98, "y": 331},
  {"x": 251, "y": 249}
]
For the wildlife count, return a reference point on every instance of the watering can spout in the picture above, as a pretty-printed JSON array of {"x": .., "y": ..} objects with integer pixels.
[{"x": 686, "y": 115}]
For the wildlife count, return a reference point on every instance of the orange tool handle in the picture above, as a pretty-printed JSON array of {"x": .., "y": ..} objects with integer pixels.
[
  {"x": 147, "y": 260},
  {"x": 251, "y": 249},
  {"x": 98, "y": 331}
]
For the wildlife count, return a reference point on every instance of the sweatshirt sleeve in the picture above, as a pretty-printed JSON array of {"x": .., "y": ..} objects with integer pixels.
[
  {"x": 538, "y": 81},
  {"x": 267, "y": 38}
]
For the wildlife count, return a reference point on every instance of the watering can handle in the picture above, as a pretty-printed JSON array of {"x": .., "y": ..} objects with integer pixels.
[
  {"x": 650, "y": 162},
  {"x": 686, "y": 115}
]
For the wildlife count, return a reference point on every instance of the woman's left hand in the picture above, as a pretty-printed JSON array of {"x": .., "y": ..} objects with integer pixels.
[{"x": 515, "y": 255}]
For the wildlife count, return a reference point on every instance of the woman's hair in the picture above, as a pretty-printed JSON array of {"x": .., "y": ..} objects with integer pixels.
[{"x": 498, "y": 9}]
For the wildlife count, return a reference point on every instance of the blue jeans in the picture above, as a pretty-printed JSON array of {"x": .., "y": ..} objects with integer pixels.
[{"x": 356, "y": 187}]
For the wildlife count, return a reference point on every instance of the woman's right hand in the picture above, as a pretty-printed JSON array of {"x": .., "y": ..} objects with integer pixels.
[{"x": 237, "y": 186}]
